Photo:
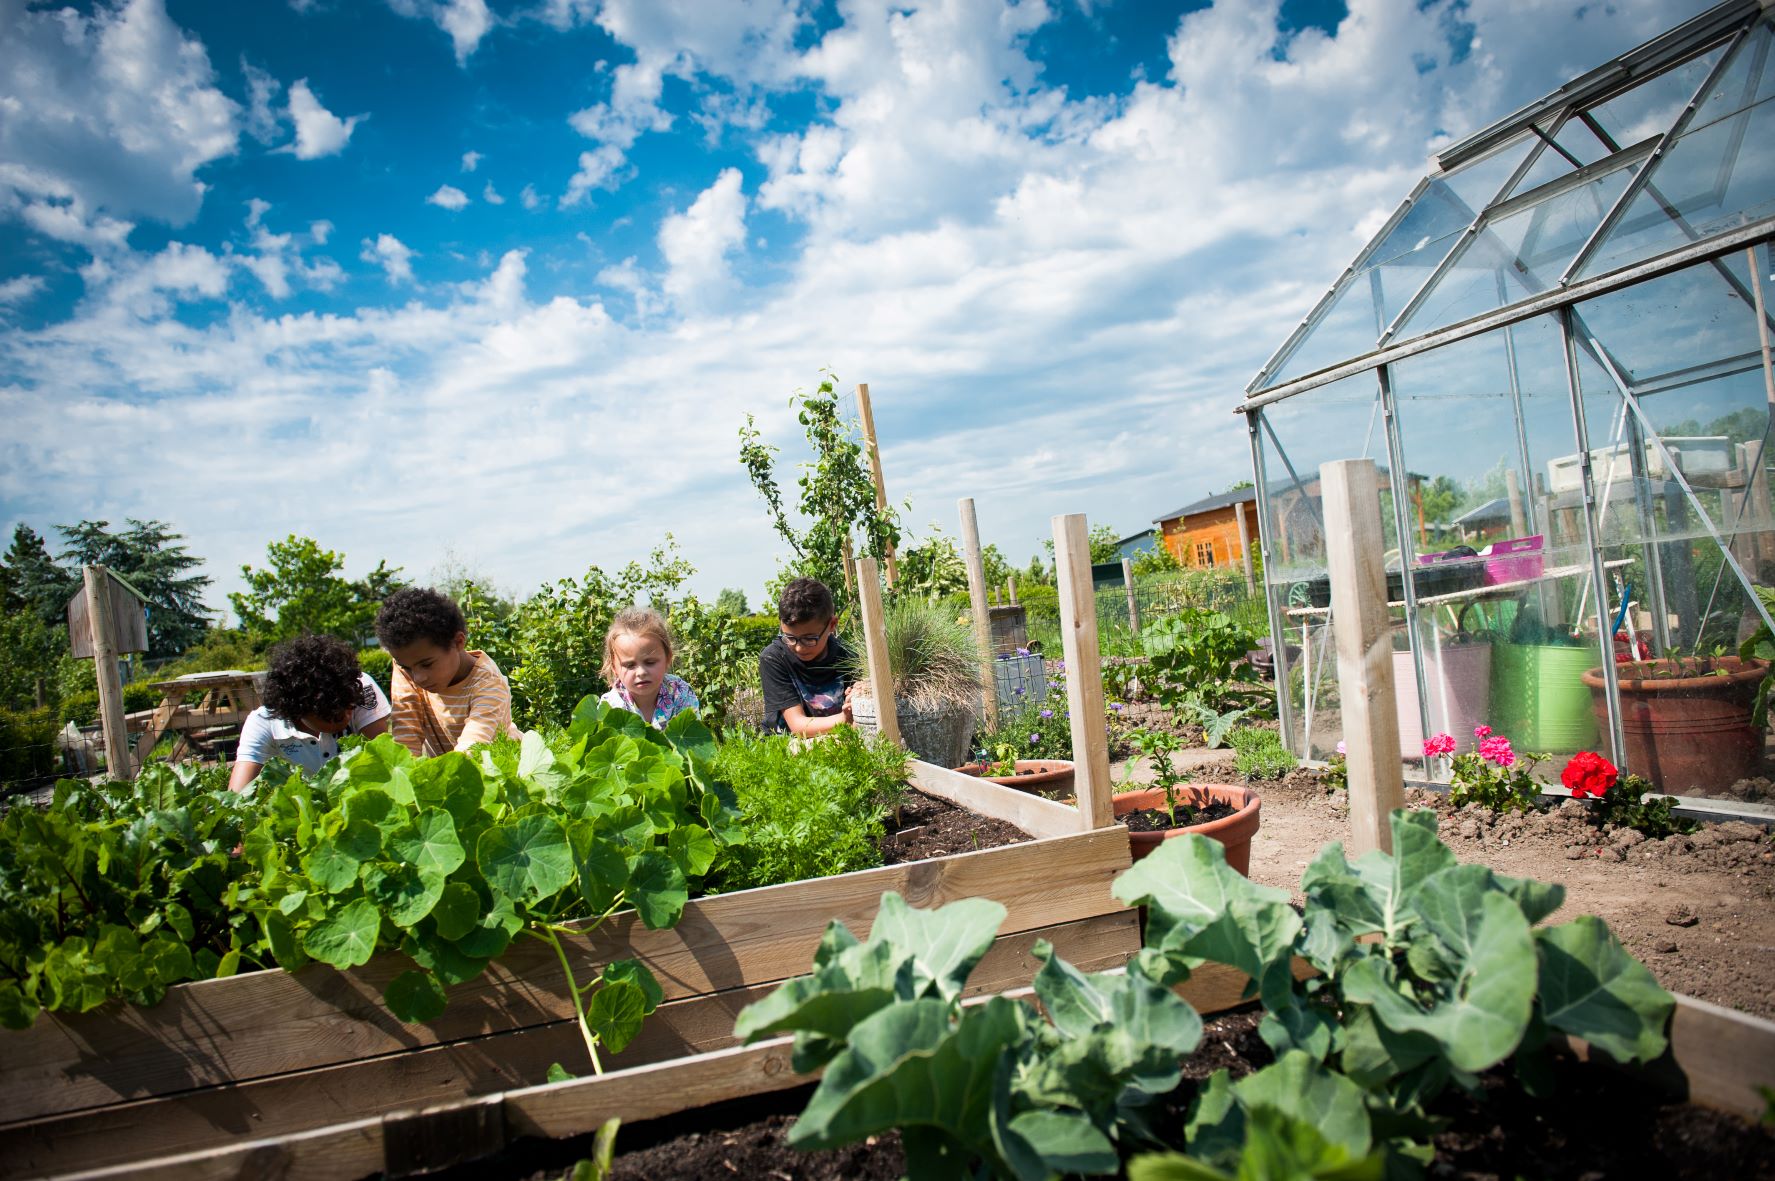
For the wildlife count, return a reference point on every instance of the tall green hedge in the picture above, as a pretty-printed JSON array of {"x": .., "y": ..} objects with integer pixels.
[{"x": 27, "y": 744}]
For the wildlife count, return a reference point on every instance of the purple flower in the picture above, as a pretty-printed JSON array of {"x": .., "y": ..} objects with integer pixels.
[
  {"x": 1116, "y": 705},
  {"x": 1023, "y": 651},
  {"x": 1034, "y": 738},
  {"x": 1047, "y": 713},
  {"x": 1341, "y": 750},
  {"x": 1062, "y": 666}
]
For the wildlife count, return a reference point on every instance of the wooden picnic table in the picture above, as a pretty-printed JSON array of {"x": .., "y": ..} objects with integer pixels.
[{"x": 228, "y": 697}]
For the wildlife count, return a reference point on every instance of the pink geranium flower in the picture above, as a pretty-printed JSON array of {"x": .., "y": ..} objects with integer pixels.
[
  {"x": 1496, "y": 750},
  {"x": 1439, "y": 744},
  {"x": 1482, "y": 731}
]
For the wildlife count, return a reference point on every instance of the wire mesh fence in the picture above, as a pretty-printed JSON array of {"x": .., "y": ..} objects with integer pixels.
[{"x": 1161, "y": 596}]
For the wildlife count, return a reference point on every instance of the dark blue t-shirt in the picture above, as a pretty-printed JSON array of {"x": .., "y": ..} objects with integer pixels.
[{"x": 816, "y": 685}]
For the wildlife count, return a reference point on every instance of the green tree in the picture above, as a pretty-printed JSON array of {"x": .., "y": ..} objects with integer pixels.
[
  {"x": 932, "y": 568},
  {"x": 731, "y": 601},
  {"x": 1240, "y": 485},
  {"x": 30, "y": 579},
  {"x": 1104, "y": 541},
  {"x": 837, "y": 493},
  {"x": 156, "y": 562},
  {"x": 302, "y": 590}
]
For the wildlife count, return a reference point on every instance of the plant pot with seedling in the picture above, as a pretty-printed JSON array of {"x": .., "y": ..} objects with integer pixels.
[{"x": 1171, "y": 806}]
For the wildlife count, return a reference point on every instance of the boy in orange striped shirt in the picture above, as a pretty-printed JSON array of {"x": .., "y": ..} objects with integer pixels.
[{"x": 447, "y": 696}]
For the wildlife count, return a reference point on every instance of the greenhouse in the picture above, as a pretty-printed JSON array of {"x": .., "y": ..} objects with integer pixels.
[{"x": 1556, "y": 352}]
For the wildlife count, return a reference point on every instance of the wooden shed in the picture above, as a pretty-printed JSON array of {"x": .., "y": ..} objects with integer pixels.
[
  {"x": 1207, "y": 533},
  {"x": 129, "y": 619}
]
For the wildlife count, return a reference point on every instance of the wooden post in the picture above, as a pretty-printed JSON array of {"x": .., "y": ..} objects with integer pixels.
[
  {"x": 867, "y": 414},
  {"x": 118, "y": 763},
  {"x": 1084, "y": 671},
  {"x": 1354, "y": 552},
  {"x": 1011, "y": 588},
  {"x": 850, "y": 574},
  {"x": 1245, "y": 549},
  {"x": 1518, "y": 515},
  {"x": 1133, "y": 601},
  {"x": 970, "y": 550},
  {"x": 881, "y": 673}
]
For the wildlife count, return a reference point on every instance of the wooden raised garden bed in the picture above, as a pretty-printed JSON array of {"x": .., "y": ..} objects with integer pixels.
[{"x": 251, "y": 1063}]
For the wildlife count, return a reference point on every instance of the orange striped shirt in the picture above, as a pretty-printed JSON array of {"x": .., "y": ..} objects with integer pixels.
[{"x": 475, "y": 710}]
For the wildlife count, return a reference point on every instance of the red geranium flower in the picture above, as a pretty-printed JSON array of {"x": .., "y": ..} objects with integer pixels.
[{"x": 1589, "y": 775}]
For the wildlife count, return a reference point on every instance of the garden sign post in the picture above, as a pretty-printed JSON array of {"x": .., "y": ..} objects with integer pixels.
[
  {"x": 1354, "y": 550},
  {"x": 1084, "y": 672},
  {"x": 875, "y": 653},
  {"x": 99, "y": 618},
  {"x": 976, "y": 565}
]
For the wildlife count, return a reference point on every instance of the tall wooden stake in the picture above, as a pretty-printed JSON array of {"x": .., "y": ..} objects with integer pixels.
[
  {"x": 881, "y": 673},
  {"x": 118, "y": 763},
  {"x": 970, "y": 549},
  {"x": 1084, "y": 671},
  {"x": 867, "y": 414},
  {"x": 850, "y": 573},
  {"x": 1133, "y": 601},
  {"x": 1355, "y": 554}
]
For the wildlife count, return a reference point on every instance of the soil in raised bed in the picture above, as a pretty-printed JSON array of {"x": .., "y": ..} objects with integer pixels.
[
  {"x": 1599, "y": 1125},
  {"x": 1158, "y": 820},
  {"x": 927, "y": 827}
]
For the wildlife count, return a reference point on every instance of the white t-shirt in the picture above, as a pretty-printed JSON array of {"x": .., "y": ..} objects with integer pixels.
[{"x": 263, "y": 737}]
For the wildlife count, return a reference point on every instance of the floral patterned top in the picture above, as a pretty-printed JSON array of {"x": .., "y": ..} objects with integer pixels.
[{"x": 675, "y": 696}]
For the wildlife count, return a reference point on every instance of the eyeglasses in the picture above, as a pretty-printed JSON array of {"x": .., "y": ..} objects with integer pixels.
[{"x": 804, "y": 641}]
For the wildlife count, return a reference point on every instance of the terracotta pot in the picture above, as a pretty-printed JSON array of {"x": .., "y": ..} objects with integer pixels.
[
  {"x": 1047, "y": 777},
  {"x": 1235, "y": 831},
  {"x": 1687, "y": 734}
]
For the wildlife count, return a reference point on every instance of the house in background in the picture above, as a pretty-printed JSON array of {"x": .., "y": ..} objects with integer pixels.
[
  {"x": 1214, "y": 531},
  {"x": 1139, "y": 543}
]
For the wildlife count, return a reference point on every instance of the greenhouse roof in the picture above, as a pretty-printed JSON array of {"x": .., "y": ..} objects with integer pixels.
[{"x": 1661, "y": 158}]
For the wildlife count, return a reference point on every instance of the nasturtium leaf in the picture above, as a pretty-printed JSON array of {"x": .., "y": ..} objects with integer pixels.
[
  {"x": 280, "y": 934},
  {"x": 615, "y": 1013},
  {"x": 493, "y": 934},
  {"x": 333, "y": 863},
  {"x": 457, "y": 911},
  {"x": 292, "y": 902},
  {"x": 528, "y": 858},
  {"x": 17, "y": 1010},
  {"x": 415, "y": 997},
  {"x": 636, "y": 973},
  {"x": 179, "y": 919},
  {"x": 168, "y": 960},
  {"x": 442, "y": 958},
  {"x": 559, "y": 1074},
  {"x": 376, "y": 806},
  {"x": 691, "y": 846},
  {"x": 383, "y": 762},
  {"x": 629, "y": 825},
  {"x": 404, "y": 893},
  {"x": 1593, "y": 989},
  {"x": 428, "y": 842},
  {"x": 603, "y": 870},
  {"x": 450, "y": 781},
  {"x": 347, "y": 937},
  {"x": 658, "y": 890}
]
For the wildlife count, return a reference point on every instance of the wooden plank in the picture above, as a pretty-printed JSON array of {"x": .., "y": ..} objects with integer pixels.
[
  {"x": 1133, "y": 599},
  {"x": 119, "y": 763},
  {"x": 866, "y": 413},
  {"x": 976, "y": 567},
  {"x": 881, "y": 675},
  {"x": 266, "y": 1023},
  {"x": 1725, "y": 1055},
  {"x": 1353, "y": 551},
  {"x": 440, "y": 1074},
  {"x": 1084, "y": 671},
  {"x": 163, "y": 713},
  {"x": 1033, "y": 814}
]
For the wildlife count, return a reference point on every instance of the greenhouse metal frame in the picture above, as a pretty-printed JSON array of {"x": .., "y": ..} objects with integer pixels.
[{"x": 1560, "y": 342}]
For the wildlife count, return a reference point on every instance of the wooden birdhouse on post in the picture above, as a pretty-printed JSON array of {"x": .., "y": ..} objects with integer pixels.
[{"x": 106, "y": 618}]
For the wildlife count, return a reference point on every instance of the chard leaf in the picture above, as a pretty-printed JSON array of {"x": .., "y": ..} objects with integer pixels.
[
  {"x": 536, "y": 762},
  {"x": 1593, "y": 989},
  {"x": 1479, "y": 1019},
  {"x": 1200, "y": 909}
]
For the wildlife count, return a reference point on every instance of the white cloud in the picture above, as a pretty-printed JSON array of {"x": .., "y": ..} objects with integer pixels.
[
  {"x": 471, "y": 161},
  {"x": 276, "y": 259},
  {"x": 319, "y": 132},
  {"x": 697, "y": 242},
  {"x": 320, "y": 231},
  {"x": 448, "y": 197},
  {"x": 392, "y": 255},
  {"x": 466, "y": 21},
  {"x": 262, "y": 122},
  {"x": 107, "y": 117},
  {"x": 20, "y": 289},
  {"x": 490, "y": 195},
  {"x": 530, "y": 197}
]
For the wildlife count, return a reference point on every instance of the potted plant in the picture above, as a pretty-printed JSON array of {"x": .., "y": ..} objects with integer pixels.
[
  {"x": 936, "y": 671},
  {"x": 1171, "y": 806},
  {"x": 1031, "y": 750},
  {"x": 1047, "y": 777},
  {"x": 1687, "y": 721}
]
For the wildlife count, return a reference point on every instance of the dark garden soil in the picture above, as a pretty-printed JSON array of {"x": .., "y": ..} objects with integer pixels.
[
  {"x": 1598, "y": 1125},
  {"x": 1158, "y": 820},
  {"x": 928, "y": 827}
]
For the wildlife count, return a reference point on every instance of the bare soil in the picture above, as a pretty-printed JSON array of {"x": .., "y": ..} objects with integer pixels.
[
  {"x": 928, "y": 827},
  {"x": 1158, "y": 820}
]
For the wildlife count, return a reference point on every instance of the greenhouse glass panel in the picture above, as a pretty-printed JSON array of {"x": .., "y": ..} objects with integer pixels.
[
  {"x": 1368, "y": 300},
  {"x": 1679, "y": 484},
  {"x": 1343, "y": 420},
  {"x": 1519, "y": 254},
  {"x": 1480, "y": 423},
  {"x": 1650, "y": 109}
]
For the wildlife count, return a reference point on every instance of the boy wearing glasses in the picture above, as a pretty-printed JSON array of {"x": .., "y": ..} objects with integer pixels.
[{"x": 803, "y": 671}]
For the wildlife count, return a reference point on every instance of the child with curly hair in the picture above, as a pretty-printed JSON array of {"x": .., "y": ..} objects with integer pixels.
[
  {"x": 638, "y": 665},
  {"x": 447, "y": 696},
  {"x": 314, "y": 692}
]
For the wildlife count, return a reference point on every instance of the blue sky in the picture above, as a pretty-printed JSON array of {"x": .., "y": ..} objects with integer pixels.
[{"x": 499, "y": 282}]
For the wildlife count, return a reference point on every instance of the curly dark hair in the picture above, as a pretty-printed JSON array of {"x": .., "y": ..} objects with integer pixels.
[
  {"x": 804, "y": 599},
  {"x": 418, "y": 613},
  {"x": 314, "y": 677}
]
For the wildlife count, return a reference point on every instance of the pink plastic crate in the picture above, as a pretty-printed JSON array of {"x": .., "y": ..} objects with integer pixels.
[{"x": 1515, "y": 560}]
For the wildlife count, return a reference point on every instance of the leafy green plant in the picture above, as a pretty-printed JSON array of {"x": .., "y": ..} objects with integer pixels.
[
  {"x": 808, "y": 809},
  {"x": 1621, "y": 800},
  {"x": 989, "y": 1085},
  {"x": 1760, "y": 645},
  {"x": 1429, "y": 973},
  {"x": 1193, "y": 657},
  {"x": 1217, "y": 726},
  {"x": 1336, "y": 775},
  {"x": 117, "y": 890},
  {"x": 1261, "y": 754},
  {"x": 1036, "y": 730},
  {"x": 1157, "y": 747}
]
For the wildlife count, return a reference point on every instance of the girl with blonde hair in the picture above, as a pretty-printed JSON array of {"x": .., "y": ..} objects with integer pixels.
[{"x": 638, "y": 666}]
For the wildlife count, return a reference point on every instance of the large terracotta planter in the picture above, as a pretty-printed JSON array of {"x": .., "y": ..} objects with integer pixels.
[
  {"x": 1044, "y": 777},
  {"x": 1235, "y": 831},
  {"x": 1687, "y": 734}
]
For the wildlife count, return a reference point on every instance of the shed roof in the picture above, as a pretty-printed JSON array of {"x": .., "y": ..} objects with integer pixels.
[{"x": 1209, "y": 503}]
